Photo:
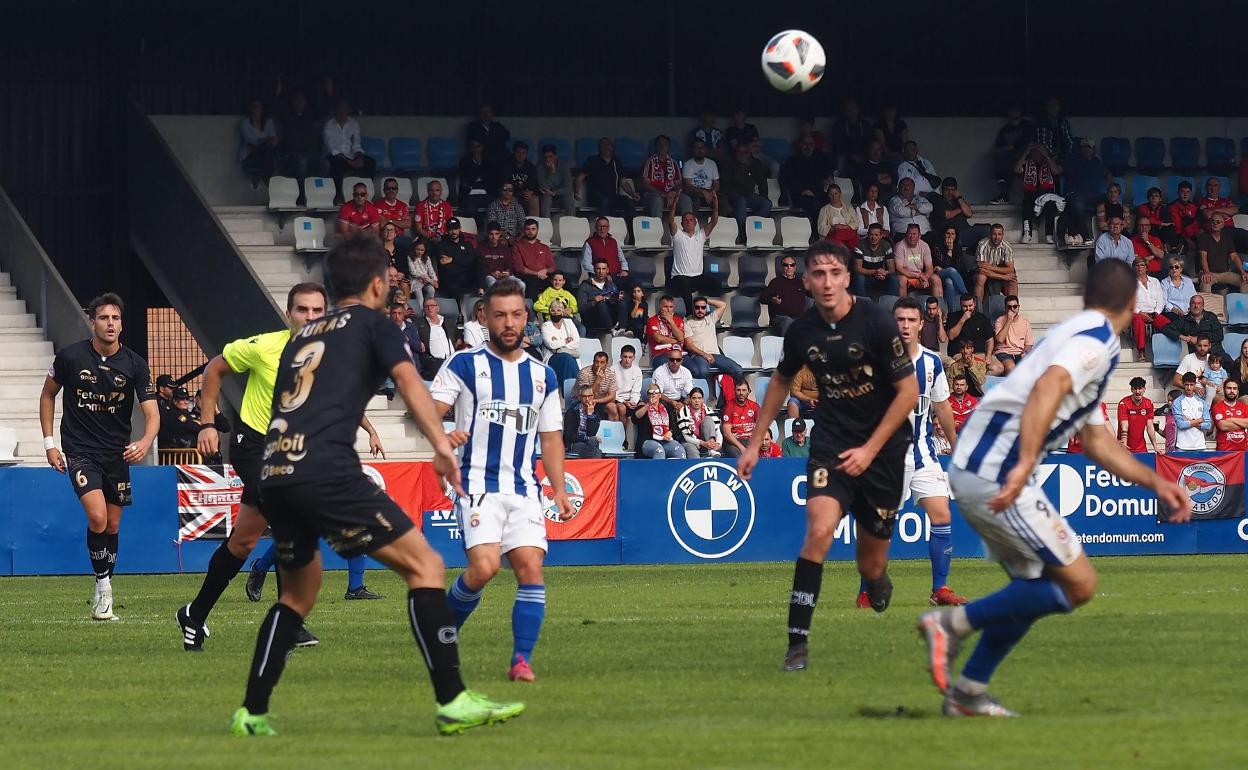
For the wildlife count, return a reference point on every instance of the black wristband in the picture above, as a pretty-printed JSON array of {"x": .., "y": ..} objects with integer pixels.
[{"x": 203, "y": 426}]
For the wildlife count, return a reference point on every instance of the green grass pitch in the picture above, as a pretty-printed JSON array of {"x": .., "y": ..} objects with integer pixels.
[{"x": 638, "y": 667}]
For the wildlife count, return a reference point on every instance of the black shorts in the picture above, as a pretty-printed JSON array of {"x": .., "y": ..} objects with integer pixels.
[
  {"x": 353, "y": 515},
  {"x": 246, "y": 457},
  {"x": 107, "y": 473},
  {"x": 873, "y": 498}
]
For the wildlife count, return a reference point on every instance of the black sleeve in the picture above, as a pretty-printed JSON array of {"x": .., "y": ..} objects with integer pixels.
[
  {"x": 387, "y": 344},
  {"x": 888, "y": 349},
  {"x": 143, "y": 388},
  {"x": 57, "y": 370},
  {"x": 569, "y": 427},
  {"x": 792, "y": 356}
]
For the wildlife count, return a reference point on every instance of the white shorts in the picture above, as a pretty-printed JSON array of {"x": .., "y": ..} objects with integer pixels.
[
  {"x": 928, "y": 481},
  {"x": 1024, "y": 537},
  {"x": 510, "y": 520}
]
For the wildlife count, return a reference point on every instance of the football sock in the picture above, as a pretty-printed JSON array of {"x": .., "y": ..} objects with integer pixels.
[
  {"x": 862, "y": 584},
  {"x": 222, "y": 568},
  {"x": 265, "y": 561},
  {"x": 1021, "y": 600},
  {"x": 434, "y": 629},
  {"x": 277, "y": 579},
  {"x": 355, "y": 572},
  {"x": 274, "y": 643},
  {"x": 526, "y": 619},
  {"x": 97, "y": 549},
  {"x": 940, "y": 551},
  {"x": 807, "y": 576},
  {"x": 994, "y": 644},
  {"x": 112, "y": 553},
  {"x": 463, "y": 600}
]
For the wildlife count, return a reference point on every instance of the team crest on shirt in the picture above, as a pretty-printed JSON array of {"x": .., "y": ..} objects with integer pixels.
[
  {"x": 816, "y": 355},
  {"x": 576, "y": 495},
  {"x": 856, "y": 351},
  {"x": 540, "y": 387},
  {"x": 119, "y": 380}
]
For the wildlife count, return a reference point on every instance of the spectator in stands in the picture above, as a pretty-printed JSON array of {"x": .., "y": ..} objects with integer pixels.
[
  {"x": 1011, "y": 143},
  {"x": 876, "y": 171},
  {"x": 600, "y": 379},
  {"x": 411, "y": 334},
  {"x": 523, "y": 177},
  {"x": 627, "y": 386},
  {"x": 1215, "y": 203},
  {"x": 803, "y": 394},
  {"x": 700, "y": 175},
  {"x": 459, "y": 273},
  {"x": 665, "y": 332},
  {"x": 1148, "y": 246},
  {"x": 1185, "y": 215},
  {"x": 1195, "y": 362},
  {"x": 1191, "y": 416},
  {"x": 797, "y": 444},
  {"x": 494, "y": 256},
  {"x": 838, "y": 220},
  {"x": 768, "y": 448},
  {"x": 1169, "y": 427},
  {"x": 1013, "y": 338},
  {"x": 1040, "y": 170},
  {"x": 966, "y": 363},
  {"x": 700, "y": 429},
  {"x": 533, "y": 262},
  {"x": 532, "y": 342},
  {"x": 891, "y": 132},
  {"x": 947, "y": 257},
  {"x": 994, "y": 258},
  {"x": 740, "y": 419},
  {"x": 1219, "y": 260},
  {"x": 1135, "y": 419},
  {"x": 635, "y": 313},
  {"x": 967, "y": 324},
  {"x": 1237, "y": 369},
  {"x": 580, "y": 424},
  {"x": 914, "y": 166},
  {"x": 874, "y": 271},
  {"x": 709, "y": 135},
  {"x": 554, "y": 184},
  {"x": 1177, "y": 291},
  {"x": 913, "y": 260},
  {"x": 743, "y": 187},
  {"x": 557, "y": 291},
  {"x": 658, "y": 434},
  {"x": 394, "y": 211},
  {"x": 343, "y": 149},
  {"x": 961, "y": 401},
  {"x": 507, "y": 212},
  {"x": 1053, "y": 129},
  {"x": 769, "y": 163},
  {"x": 257, "y": 150},
  {"x": 932, "y": 334},
  {"x": 1112, "y": 244},
  {"x": 1215, "y": 378},
  {"x": 600, "y": 301},
  {"x": 871, "y": 211},
  {"x": 1085, "y": 177},
  {"x": 438, "y": 339},
  {"x": 803, "y": 178},
  {"x": 689, "y": 271},
  {"x": 740, "y": 132},
  {"x": 602, "y": 245},
  {"x": 661, "y": 181},
  {"x": 1230, "y": 417},
  {"x": 850, "y": 136},
  {"x": 906, "y": 208},
  {"x": 1111, "y": 205},
  {"x": 674, "y": 379},
  {"x": 1197, "y": 322},
  {"x": 1149, "y": 302},
  {"x": 421, "y": 271},
  {"x": 562, "y": 342},
  {"x": 784, "y": 296},
  {"x": 400, "y": 287},
  {"x": 806, "y": 130},
  {"x": 950, "y": 209},
  {"x": 178, "y": 430},
  {"x": 491, "y": 135},
  {"x": 433, "y": 214},
  {"x": 1155, "y": 210},
  {"x": 358, "y": 214},
  {"x": 475, "y": 331},
  {"x": 476, "y": 179},
  {"x": 301, "y": 153},
  {"x": 389, "y": 242},
  {"x": 603, "y": 185},
  {"x": 702, "y": 345}
]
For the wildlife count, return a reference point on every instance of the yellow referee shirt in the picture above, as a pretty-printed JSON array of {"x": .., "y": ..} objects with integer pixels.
[{"x": 259, "y": 357}]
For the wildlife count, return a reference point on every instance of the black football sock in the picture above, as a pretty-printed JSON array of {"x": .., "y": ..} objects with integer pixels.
[
  {"x": 807, "y": 577},
  {"x": 97, "y": 549},
  {"x": 221, "y": 570},
  {"x": 112, "y": 553},
  {"x": 433, "y": 625},
  {"x": 274, "y": 644}
]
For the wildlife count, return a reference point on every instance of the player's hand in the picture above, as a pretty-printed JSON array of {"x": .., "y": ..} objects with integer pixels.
[
  {"x": 56, "y": 459},
  {"x": 447, "y": 468},
  {"x": 457, "y": 438},
  {"x": 208, "y": 442},
  {"x": 563, "y": 506},
  {"x": 374, "y": 446},
  {"x": 746, "y": 463},
  {"x": 1010, "y": 490},
  {"x": 136, "y": 451},
  {"x": 1173, "y": 497},
  {"x": 856, "y": 461}
]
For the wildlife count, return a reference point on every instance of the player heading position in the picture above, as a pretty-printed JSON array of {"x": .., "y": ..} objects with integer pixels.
[
  {"x": 102, "y": 380},
  {"x": 857, "y": 459},
  {"x": 505, "y": 403},
  {"x": 313, "y": 487},
  {"x": 1053, "y": 393}
]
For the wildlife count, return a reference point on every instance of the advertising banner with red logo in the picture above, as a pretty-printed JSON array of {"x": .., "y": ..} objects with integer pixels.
[
  {"x": 591, "y": 487},
  {"x": 410, "y": 485},
  {"x": 1213, "y": 482}
]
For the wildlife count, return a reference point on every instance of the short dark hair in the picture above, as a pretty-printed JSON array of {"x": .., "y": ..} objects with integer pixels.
[
  {"x": 823, "y": 248},
  {"x": 531, "y": 221},
  {"x": 964, "y": 341},
  {"x": 520, "y": 145},
  {"x": 907, "y": 303},
  {"x": 913, "y": 226},
  {"x": 505, "y": 287},
  {"x": 1152, "y": 190},
  {"x": 1138, "y": 382},
  {"x": 1011, "y": 298},
  {"x": 493, "y": 226},
  {"x": 1204, "y": 337},
  {"x": 966, "y": 298},
  {"x": 876, "y": 226},
  {"x": 601, "y": 261},
  {"x": 962, "y": 377},
  {"x": 354, "y": 261},
  {"x": 1174, "y": 393},
  {"x": 997, "y": 226},
  {"x": 932, "y": 301},
  {"x": 107, "y": 298},
  {"x": 1189, "y": 377},
  {"x": 388, "y": 180},
  {"x": 1185, "y": 185},
  {"x": 307, "y": 287},
  {"x": 697, "y": 390},
  {"x": 549, "y": 148},
  {"x": 667, "y": 298},
  {"x": 1110, "y": 286},
  {"x": 559, "y": 273},
  {"x": 628, "y": 349}
]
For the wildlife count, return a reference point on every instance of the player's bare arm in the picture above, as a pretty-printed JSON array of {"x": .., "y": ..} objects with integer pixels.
[
  {"x": 777, "y": 394},
  {"x": 208, "y": 442},
  {"x": 1038, "y": 415},
  {"x": 374, "y": 441},
  {"x": 552, "y": 462},
  {"x": 1113, "y": 457},
  {"x": 855, "y": 461},
  {"x": 47, "y": 412},
  {"x": 416, "y": 396},
  {"x": 944, "y": 416}
]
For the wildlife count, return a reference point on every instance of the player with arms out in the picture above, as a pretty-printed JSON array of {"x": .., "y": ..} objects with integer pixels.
[
  {"x": 861, "y": 436},
  {"x": 313, "y": 486},
  {"x": 1053, "y": 393},
  {"x": 505, "y": 403},
  {"x": 102, "y": 380}
]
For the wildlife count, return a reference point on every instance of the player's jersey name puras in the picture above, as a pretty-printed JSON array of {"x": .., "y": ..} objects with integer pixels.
[{"x": 321, "y": 327}]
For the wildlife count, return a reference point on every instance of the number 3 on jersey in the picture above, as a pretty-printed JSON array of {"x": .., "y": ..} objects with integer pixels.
[{"x": 305, "y": 362}]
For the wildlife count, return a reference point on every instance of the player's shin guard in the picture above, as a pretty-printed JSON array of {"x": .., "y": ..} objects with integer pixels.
[
  {"x": 222, "y": 568},
  {"x": 98, "y": 551},
  {"x": 940, "y": 551},
  {"x": 355, "y": 572},
  {"x": 526, "y": 619},
  {"x": 274, "y": 644},
  {"x": 433, "y": 625},
  {"x": 1020, "y": 601},
  {"x": 463, "y": 600},
  {"x": 807, "y": 578},
  {"x": 994, "y": 644}
]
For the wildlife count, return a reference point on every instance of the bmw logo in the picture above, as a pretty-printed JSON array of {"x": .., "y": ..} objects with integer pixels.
[{"x": 710, "y": 510}]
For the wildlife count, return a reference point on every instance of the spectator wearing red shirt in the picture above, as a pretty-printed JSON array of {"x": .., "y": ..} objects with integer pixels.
[
  {"x": 1186, "y": 216},
  {"x": 740, "y": 417},
  {"x": 661, "y": 181},
  {"x": 1135, "y": 420},
  {"x": 1230, "y": 416},
  {"x": 532, "y": 260},
  {"x": 432, "y": 213},
  {"x": 359, "y": 213},
  {"x": 495, "y": 257},
  {"x": 1158, "y": 213},
  {"x": 769, "y": 448},
  {"x": 665, "y": 331},
  {"x": 1148, "y": 246},
  {"x": 1075, "y": 445},
  {"x": 961, "y": 401},
  {"x": 1215, "y": 203},
  {"x": 395, "y": 211}
]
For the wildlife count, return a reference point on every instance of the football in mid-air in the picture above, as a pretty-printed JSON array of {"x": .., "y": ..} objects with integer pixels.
[{"x": 793, "y": 61}]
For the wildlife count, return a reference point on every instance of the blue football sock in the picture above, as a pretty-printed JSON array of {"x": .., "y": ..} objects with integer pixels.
[
  {"x": 266, "y": 560},
  {"x": 1020, "y": 601},
  {"x": 463, "y": 600},
  {"x": 526, "y": 619},
  {"x": 940, "y": 551},
  {"x": 994, "y": 644},
  {"x": 862, "y": 584},
  {"x": 355, "y": 572}
]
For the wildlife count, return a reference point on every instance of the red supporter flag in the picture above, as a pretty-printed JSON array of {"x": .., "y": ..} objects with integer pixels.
[
  {"x": 408, "y": 484},
  {"x": 1214, "y": 483},
  {"x": 591, "y": 487}
]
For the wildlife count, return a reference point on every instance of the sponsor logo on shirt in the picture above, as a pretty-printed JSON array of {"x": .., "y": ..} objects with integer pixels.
[{"x": 521, "y": 419}]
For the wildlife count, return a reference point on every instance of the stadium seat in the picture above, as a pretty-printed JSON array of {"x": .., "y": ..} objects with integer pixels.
[
  {"x": 681, "y": 310},
  {"x": 319, "y": 192},
  {"x": 1240, "y": 221},
  {"x": 1204, "y": 181},
  {"x": 573, "y": 232},
  {"x": 309, "y": 234},
  {"x": 700, "y": 382},
  {"x": 643, "y": 269},
  {"x": 443, "y": 153},
  {"x": 745, "y": 314},
  {"x": 1220, "y": 154},
  {"x": 571, "y": 266},
  {"x": 751, "y": 272},
  {"x": 1172, "y": 187},
  {"x": 773, "y": 195},
  {"x": 761, "y": 383},
  {"x": 996, "y": 307},
  {"x": 449, "y": 308},
  {"x": 847, "y": 189},
  {"x": 1150, "y": 155},
  {"x": 349, "y": 183},
  {"x": 405, "y": 153},
  {"x": 590, "y": 346},
  {"x": 612, "y": 435},
  {"x": 1236, "y": 308},
  {"x": 887, "y": 301},
  {"x": 795, "y": 232},
  {"x": 563, "y": 148},
  {"x": 1116, "y": 153},
  {"x": 1185, "y": 154},
  {"x": 405, "y": 186},
  {"x": 787, "y": 429},
  {"x": 760, "y": 233},
  {"x": 586, "y": 148},
  {"x": 545, "y": 230},
  {"x": 283, "y": 194},
  {"x": 648, "y": 233},
  {"x": 618, "y": 343},
  {"x": 422, "y": 187},
  {"x": 1232, "y": 342},
  {"x": 375, "y": 148},
  {"x": 777, "y": 149},
  {"x": 8, "y": 445},
  {"x": 739, "y": 349},
  {"x": 724, "y": 236},
  {"x": 619, "y": 230},
  {"x": 720, "y": 267},
  {"x": 769, "y": 349},
  {"x": 1140, "y": 186},
  {"x": 992, "y": 381},
  {"x": 1166, "y": 352},
  {"x": 631, "y": 152}
]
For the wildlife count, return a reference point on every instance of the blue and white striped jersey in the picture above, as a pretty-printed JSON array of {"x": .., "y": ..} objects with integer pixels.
[
  {"x": 933, "y": 389},
  {"x": 1086, "y": 347},
  {"x": 502, "y": 405}
]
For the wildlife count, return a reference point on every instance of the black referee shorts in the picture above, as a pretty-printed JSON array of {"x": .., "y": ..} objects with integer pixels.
[
  {"x": 873, "y": 497},
  {"x": 246, "y": 457},
  {"x": 107, "y": 473}
]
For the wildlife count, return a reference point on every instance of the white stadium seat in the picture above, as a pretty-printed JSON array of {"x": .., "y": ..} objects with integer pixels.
[
  {"x": 349, "y": 183},
  {"x": 283, "y": 194},
  {"x": 573, "y": 232},
  {"x": 590, "y": 346},
  {"x": 739, "y": 349},
  {"x": 619, "y": 229},
  {"x": 309, "y": 234},
  {"x": 760, "y": 233},
  {"x": 648, "y": 232},
  {"x": 467, "y": 224},
  {"x": 847, "y": 187},
  {"x": 769, "y": 349},
  {"x": 545, "y": 230},
  {"x": 319, "y": 192},
  {"x": 724, "y": 236},
  {"x": 795, "y": 232},
  {"x": 405, "y": 187},
  {"x": 422, "y": 187}
]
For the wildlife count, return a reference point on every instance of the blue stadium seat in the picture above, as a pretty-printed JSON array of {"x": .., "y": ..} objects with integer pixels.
[
  {"x": 375, "y": 148},
  {"x": 562, "y": 146},
  {"x": 631, "y": 152},
  {"x": 586, "y": 147},
  {"x": 642, "y": 268},
  {"x": 677, "y": 150},
  {"x": 571, "y": 266},
  {"x": 1116, "y": 153},
  {"x": 751, "y": 272},
  {"x": 1185, "y": 154},
  {"x": 1236, "y": 309},
  {"x": 1166, "y": 353},
  {"x": 1150, "y": 155},
  {"x": 1220, "y": 154},
  {"x": 1232, "y": 342},
  {"x": 1139, "y": 188},
  {"x": 761, "y": 382},
  {"x": 1172, "y": 187},
  {"x": 745, "y": 313},
  {"x": 443, "y": 153},
  {"x": 405, "y": 153},
  {"x": 992, "y": 381},
  {"x": 777, "y": 149}
]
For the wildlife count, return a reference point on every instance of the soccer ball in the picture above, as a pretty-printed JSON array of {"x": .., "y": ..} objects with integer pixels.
[{"x": 793, "y": 61}]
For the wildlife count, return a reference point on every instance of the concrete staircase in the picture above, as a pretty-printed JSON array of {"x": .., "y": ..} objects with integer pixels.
[{"x": 24, "y": 359}]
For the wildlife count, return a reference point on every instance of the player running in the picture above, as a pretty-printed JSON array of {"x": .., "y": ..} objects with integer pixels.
[
  {"x": 102, "y": 380},
  {"x": 258, "y": 357},
  {"x": 505, "y": 402},
  {"x": 1050, "y": 395},
  {"x": 862, "y": 432},
  {"x": 313, "y": 487}
]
